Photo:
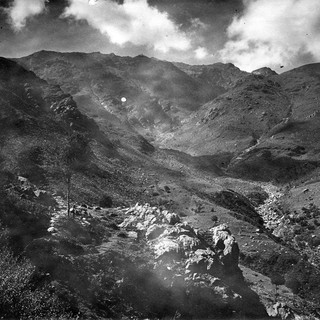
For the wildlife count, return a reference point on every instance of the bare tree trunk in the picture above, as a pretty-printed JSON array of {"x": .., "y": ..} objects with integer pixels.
[{"x": 68, "y": 194}]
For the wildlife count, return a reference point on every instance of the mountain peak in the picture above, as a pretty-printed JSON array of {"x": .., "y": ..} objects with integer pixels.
[{"x": 265, "y": 71}]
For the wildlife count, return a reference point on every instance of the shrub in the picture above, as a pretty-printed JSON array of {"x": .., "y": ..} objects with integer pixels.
[
  {"x": 105, "y": 201},
  {"x": 277, "y": 279},
  {"x": 315, "y": 242},
  {"x": 18, "y": 297},
  {"x": 286, "y": 261},
  {"x": 311, "y": 227},
  {"x": 292, "y": 283},
  {"x": 303, "y": 223},
  {"x": 214, "y": 218}
]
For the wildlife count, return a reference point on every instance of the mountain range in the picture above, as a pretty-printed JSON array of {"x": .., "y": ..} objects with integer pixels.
[
  {"x": 227, "y": 112},
  {"x": 212, "y": 143}
]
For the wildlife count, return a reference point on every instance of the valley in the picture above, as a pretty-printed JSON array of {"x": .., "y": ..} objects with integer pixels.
[{"x": 207, "y": 146}]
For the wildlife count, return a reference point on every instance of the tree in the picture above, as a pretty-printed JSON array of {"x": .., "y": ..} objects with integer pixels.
[
  {"x": 65, "y": 157},
  {"x": 105, "y": 201}
]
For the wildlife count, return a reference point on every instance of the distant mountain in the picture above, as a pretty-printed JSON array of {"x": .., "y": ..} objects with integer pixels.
[
  {"x": 158, "y": 94},
  {"x": 218, "y": 74},
  {"x": 200, "y": 110},
  {"x": 291, "y": 147},
  {"x": 268, "y": 124},
  {"x": 235, "y": 120}
]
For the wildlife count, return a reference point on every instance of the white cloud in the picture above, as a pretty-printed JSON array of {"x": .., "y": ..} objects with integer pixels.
[
  {"x": 21, "y": 10},
  {"x": 273, "y": 32},
  {"x": 201, "y": 53},
  {"x": 134, "y": 21}
]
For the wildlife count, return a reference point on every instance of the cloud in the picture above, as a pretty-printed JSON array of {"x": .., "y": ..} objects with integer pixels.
[
  {"x": 134, "y": 21},
  {"x": 272, "y": 33},
  {"x": 21, "y": 10},
  {"x": 201, "y": 53}
]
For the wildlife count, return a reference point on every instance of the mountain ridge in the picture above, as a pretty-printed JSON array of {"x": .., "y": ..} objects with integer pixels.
[
  {"x": 219, "y": 159},
  {"x": 245, "y": 108}
]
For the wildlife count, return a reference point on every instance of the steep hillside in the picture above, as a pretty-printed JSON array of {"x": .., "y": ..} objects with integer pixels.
[
  {"x": 291, "y": 148},
  {"x": 158, "y": 95},
  {"x": 38, "y": 118},
  {"x": 302, "y": 85},
  {"x": 266, "y": 123},
  {"x": 235, "y": 120}
]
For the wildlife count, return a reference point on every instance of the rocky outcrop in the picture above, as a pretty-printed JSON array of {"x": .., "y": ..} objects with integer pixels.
[
  {"x": 265, "y": 71},
  {"x": 26, "y": 190},
  {"x": 226, "y": 246},
  {"x": 203, "y": 276},
  {"x": 281, "y": 310}
]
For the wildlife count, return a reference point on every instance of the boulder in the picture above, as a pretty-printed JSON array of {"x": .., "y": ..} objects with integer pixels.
[
  {"x": 166, "y": 246},
  {"x": 172, "y": 218},
  {"x": 178, "y": 230},
  {"x": 280, "y": 310},
  {"x": 225, "y": 245},
  {"x": 201, "y": 261},
  {"x": 154, "y": 231},
  {"x": 52, "y": 230},
  {"x": 201, "y": 275},
  {"x": 188, "y": 243}
]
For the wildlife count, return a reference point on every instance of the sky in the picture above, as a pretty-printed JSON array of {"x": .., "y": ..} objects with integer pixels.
[{"x": 280, "y": 34}]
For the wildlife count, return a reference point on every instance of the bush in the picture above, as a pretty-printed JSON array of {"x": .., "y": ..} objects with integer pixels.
[
  {"x": 277, "y": 279},
  {"x": 292, "y": 283},
  {"x": 315, "y": 242},
  {"x": 214, "y": 218},
  {"x": 18, "y": 297},
  {"x": 105, "y": 201}
]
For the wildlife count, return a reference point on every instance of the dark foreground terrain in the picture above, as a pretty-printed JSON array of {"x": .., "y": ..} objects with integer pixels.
[{"x": 196, "y": 198}]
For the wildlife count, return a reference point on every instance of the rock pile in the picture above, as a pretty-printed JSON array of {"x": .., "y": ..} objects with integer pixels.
[
  {"x": 203, "y": 276},
  {"x": 272, "y": 217},
  {"x": 281, "y": 310},
  {"x": 26, "y": 190}
]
